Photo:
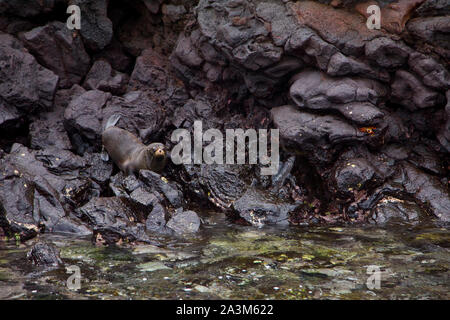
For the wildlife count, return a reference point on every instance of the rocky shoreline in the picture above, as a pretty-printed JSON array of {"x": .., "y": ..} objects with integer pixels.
[{"x": 363, "y": 115}]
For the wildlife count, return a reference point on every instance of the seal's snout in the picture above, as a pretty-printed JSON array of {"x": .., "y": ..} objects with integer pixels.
[{"x": 160, "y": 152}]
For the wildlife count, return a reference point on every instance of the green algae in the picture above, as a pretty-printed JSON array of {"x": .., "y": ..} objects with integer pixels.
[{"x": 232, "y": 262}]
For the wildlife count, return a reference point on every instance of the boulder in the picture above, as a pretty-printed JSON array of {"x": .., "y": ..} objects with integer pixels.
[
  {"x": 444, "y": 134},
  {"x": 97, "y": 29},
  {"x": 150, "y": 72},
  {"x": 312, "y": 134},
  {"x": 113, "y": 220},
  {"x": 60, "y": 50},
  {"x": 432, "y": 30},
  {"x": 83, "y": 120},
  {"x": 409, "y": 91},
  {"x": 354, "y": 98},
  {"x": 53, "y": 185},
  {"x": 390, "y": 210},
  {"x": 28, "y": 8},
  {"x": 184, "y": 222},
  {"x": 25, "y": 86},
  {"x": 259, "y": 208},
  {"x": 156, "y": 182},
  {"x": 102, "y": 77},
  {"x": 48, "y": 130},
  {"x": 45, "y": 254}
]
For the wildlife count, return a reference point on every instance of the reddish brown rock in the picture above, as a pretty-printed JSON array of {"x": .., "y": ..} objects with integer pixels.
[
  {"x": 394, "y": 15},
  {"x": 346, "y": 30}
]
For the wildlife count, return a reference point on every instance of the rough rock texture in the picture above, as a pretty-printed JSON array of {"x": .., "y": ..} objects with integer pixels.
[
  {"x": 103, "y": 77},
  {"x": 113, "y": 220},
  {"x": 27, "y": 8},
  {"x": 259, "y": 209},
  {"x": 97, "y": 29},
  {"x": 344, "y": 84},
  {"x": 58, "y": 49},
  {"x": 83, "y": 119},
  {"x": 49, "y": 130},
  {"x": 354, "y": 98},
  {"x": 434, "y": 31},
  {"x": 363, "y": 115},
  {"x": 25, "y": 86},
  {"x": 444, "y": 134},
  {"x": 39, "y": 190},
  {"x": 184, "y": 222},
  {"x": 409, "y": 91},
  {"x": 44, "y": 254}
]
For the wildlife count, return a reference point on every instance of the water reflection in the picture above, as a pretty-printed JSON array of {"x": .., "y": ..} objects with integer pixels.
[{"x": 234, "y": 262}]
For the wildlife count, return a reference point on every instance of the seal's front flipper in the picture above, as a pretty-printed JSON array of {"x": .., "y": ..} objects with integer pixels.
[
  {"x": 112, "y": 121},
  {"x": 104, "y": 155}
]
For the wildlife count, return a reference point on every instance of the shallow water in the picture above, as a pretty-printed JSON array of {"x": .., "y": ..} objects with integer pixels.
[{"x": 226, "y": 261}]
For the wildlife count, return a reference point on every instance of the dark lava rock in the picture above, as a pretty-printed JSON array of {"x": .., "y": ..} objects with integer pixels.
[
  {"x": 390, "y": 209},
  {"x": 156, "y": 182},
  {"x": 122, "y": 185},
  {"x": 387, "y": 53},
  {"x": 353, "y": 175},
  {"x": 409, "y": 91},
  {"x": 103, "y": 77},
  {"x": 430, "y": 71},
  {"x": 434, "y": 8},
  {"x": 433, "y": 30},
  {"x": 362, "y": 121},
  {"x": 428, "y": 191},
  {"x": 156, "y": 220},
  {"x": 39, "y": 189},
  {"x": 184, "y": 222},
  {"x": 444, "y": 133},
  {"x": 111, "y": 235},
  {"x": 98, "y": 170},
  {"x": 223, "y": 184},
  {"x": 354, "y": 98},
  {"x": 312, "y": 134},
  {"x": 48, "y": 130},
  {"x": 114, "y": 219},
  {"x": 148, "y": 200},
  {"x": 150, "y": 72},
  {"x": 25, "y": 86},
  {"x": 28, "y": 8},
  {"x": 258, "y": 208},
  {"x": 341, "y": 65},
  {"x": 97, "y": 29},
  {"x": 45, "y": 254},
  {"x": 83, "y": 119},
  {"x": 59, "y": 50}
]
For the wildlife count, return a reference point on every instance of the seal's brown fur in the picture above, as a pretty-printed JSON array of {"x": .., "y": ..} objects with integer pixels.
[{"x": 131, "y": 155}]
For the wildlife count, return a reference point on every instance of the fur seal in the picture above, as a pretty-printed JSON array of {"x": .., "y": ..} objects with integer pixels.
[{"x": 130, "y": 154}]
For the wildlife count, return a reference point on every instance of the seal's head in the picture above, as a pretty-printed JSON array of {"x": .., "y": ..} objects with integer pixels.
[{"x": 156, "y": 157}]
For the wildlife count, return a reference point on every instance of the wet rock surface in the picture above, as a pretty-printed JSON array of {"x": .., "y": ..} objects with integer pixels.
[
  {"x": 45, "y": 254},
  {"x": 363, "y": 115},
  {"x": 184, "y": 222}
]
